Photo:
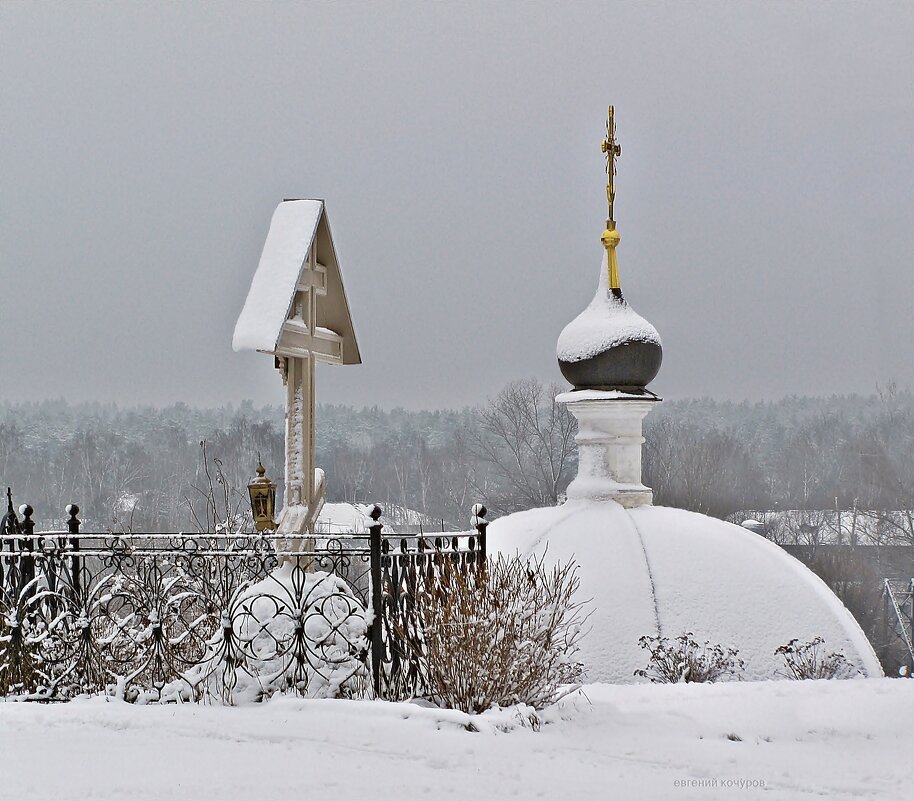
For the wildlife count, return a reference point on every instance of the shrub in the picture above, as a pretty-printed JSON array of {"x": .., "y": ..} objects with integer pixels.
[
  {"x": 684, "y": 660},
  {"x": 808, "y": 660},
  {"x": 23, "y": 638},
  {"x": 504, "y": 635}
]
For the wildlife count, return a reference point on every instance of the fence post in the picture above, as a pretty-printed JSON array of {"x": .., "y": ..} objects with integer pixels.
[
  {"x": 73, "y": 545},
  {"x": 10, "y": 516},
  {"x": 377, "y": 643},
  {"x": 479, "y": 522},
  {"x": 9, "y": 525},
  {"x": 28, "y": 525},
  {"x": 27, "y": 545}
]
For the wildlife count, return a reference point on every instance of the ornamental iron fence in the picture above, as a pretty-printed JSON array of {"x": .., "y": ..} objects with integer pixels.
[
  {"x": 222, "y": 616},
  {"x": 404, "y": 572}
]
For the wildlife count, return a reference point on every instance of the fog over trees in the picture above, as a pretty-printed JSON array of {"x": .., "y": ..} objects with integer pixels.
[{"x": 144, "y": 467}]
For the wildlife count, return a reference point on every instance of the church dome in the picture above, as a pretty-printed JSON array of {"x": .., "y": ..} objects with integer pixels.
[
  {"x": 653, "y": 571},
  {"x": 609, "y": 345},
  {"x": 660, "y": 571}
]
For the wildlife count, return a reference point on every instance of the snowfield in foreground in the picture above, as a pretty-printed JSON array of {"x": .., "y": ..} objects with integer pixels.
[{"x": 830, "y": 740}]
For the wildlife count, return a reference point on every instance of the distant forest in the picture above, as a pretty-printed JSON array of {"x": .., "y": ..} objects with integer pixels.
[{"x": 145, "y": 468}]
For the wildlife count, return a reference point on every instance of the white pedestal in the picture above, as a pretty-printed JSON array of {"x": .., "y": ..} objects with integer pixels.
[{"x": 609, "y": 443}]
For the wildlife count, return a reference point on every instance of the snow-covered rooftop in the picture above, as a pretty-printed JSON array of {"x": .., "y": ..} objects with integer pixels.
[
  {"x": 653, "y": 570},
  {"x": 352, "y": 518},
  {"x": 289, "y": 239},
  {"x": 829, "y": 527},
  {"x": 298, "y": 256},
  {"x": 347, "y": 518}
]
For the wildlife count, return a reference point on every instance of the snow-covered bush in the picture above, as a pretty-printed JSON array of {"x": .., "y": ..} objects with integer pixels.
[
  {"x": 25, "y": 642},
  {"x": 682, "y": 659},
  {"x": 500, "y": 636},
  {"x": 18, "y": 653},
  {"x": 808, "y": 660}
]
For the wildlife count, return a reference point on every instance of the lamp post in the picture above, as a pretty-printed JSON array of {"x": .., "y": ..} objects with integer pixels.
[{"x": 263, "y": 500}]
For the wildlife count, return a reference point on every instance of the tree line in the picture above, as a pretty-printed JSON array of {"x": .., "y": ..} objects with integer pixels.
[{"x": 145, "y": 467}]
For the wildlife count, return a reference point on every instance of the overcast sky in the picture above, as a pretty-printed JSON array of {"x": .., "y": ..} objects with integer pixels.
[{"x": 765, "y": 191}]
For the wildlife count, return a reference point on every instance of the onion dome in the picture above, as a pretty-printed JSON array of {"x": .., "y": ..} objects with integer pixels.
[{"x": 609, "y": 346}]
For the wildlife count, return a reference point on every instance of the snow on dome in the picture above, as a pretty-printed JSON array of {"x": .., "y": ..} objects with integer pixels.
[
  {"x": 604, "y": 324},
  {"x": 655, "y": 570},
  {"x": 291, "y": 233}
]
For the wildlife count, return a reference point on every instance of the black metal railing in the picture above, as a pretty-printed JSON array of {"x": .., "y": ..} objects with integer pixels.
[
  {"x": 158, "y": 617},
  {"x": 404, "y": 571}
]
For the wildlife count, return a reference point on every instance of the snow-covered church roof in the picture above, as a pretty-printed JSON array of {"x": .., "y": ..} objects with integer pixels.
[
  {"x": 659, "y": 571},
  {"x": 652, "y": 571},
  {"x": 299, "y": 233}
]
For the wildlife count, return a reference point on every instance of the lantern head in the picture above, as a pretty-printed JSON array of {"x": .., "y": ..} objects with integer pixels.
[{"x": 263, "y": 500}]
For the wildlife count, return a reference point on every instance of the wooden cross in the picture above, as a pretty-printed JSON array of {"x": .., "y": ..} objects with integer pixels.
[
  {"x": 296, "y": 311},
  {"x": 303, "y": 343}
]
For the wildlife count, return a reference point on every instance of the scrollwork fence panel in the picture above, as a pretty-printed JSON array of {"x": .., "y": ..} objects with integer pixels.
[{"x": 219, "y": 617}]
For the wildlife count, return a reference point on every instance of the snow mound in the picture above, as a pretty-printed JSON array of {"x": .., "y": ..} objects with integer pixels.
[
  {"x": 292, "y": 631},
  {"x": 659, "y": 571},
  {"x": 604, "y": 324}
]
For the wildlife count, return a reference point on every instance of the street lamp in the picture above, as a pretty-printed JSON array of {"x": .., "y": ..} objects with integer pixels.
[{"x": 263, "y": 500}]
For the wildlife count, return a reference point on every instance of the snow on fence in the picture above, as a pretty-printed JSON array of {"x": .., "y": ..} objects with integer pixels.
[{"x": 155, "y": 617}]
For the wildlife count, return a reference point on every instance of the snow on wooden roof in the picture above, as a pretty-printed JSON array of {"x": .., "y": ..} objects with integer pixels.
[{"x": 298, "y": 245}]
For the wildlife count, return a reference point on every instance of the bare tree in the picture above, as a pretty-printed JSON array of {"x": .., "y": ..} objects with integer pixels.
[
  {"x": 704, "y": 471},
  {"x": 215, "y": 504},
  {"x": 456, "y": 483},
  {"x": 526, "y": 440}
]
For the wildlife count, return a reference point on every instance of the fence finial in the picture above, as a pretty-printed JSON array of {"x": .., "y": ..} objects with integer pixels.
[
  {"x": 73, "y": 523},
  {"x": 480, "y": 523}
]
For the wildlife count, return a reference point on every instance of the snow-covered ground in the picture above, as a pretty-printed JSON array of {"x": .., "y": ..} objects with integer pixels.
[{"x": 797, "y": 740}]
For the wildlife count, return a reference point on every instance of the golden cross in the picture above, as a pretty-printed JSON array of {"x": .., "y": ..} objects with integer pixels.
[{"x": 612, "y": 149}]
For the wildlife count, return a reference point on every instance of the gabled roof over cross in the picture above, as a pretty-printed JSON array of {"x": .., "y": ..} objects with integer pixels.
[{"x": 297, "y": 305}]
